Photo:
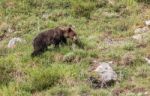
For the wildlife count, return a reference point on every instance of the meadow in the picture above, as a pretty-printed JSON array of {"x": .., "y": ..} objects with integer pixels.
[{"x": 105, "y": 27}]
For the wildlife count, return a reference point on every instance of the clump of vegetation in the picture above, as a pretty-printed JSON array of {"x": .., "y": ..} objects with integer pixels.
[
  {"x": 128, "y": 59},
  {"x": 6, "y": 69},
  {"x": 145, "y": 1},
  {"x": 83, "y": 9},
  {"x": 44, "y": 78}
]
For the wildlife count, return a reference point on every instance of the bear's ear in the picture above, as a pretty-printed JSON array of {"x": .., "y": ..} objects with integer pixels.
[{"x": 69, "y": 29}]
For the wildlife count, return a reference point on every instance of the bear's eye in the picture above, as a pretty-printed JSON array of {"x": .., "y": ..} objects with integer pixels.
[{"x": 69, "y": 31}]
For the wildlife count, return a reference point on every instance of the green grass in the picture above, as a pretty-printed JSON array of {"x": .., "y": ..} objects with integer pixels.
[{"x": 64, "y": 71}]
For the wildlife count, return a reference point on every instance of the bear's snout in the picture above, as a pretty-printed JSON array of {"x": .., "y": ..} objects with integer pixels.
[{"x": 75, "y": 38}]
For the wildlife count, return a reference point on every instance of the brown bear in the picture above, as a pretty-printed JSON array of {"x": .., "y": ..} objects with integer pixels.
[{"x": 53, "y": 36}]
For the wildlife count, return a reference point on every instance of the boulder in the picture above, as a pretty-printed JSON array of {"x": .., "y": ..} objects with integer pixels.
[
  {"x": 106, "y": 72},
  {"x": 105, "y": 75}
]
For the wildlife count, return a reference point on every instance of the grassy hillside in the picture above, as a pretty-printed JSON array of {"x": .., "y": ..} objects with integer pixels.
[{"x": 64, "y": 71}]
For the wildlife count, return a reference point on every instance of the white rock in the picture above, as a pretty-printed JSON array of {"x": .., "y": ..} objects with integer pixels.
[
  {"x": 105, "y": 71},
  {"x": 138, "y": 37},
  {"x": 141, "y": 30},
  {"x": 147, "y": 60},
  {"x": 13, "y": 42},
  {"x": 147, "y": 22}
]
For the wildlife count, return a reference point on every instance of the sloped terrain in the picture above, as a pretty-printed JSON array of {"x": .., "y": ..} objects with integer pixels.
[{"x": 105, "y": 27}]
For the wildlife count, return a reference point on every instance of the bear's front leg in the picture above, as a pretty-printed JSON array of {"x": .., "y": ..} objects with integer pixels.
[
  {"x": 56, "y": 44},
  {"x": 64, "y": 41}
]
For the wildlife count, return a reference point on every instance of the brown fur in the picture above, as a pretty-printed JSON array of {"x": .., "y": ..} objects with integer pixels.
[{"x": 53, "y": 36}]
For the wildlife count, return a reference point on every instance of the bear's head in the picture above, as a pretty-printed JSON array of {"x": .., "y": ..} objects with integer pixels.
[{"x": 69, "y": 33}]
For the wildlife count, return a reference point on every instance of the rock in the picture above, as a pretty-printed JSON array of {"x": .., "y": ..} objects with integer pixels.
[
  {"x": 147, "y": 22},
  {"x": 141, "y": 34},
  {"x": 106, "y": 72},
  {"x": 146, "y": 93},
  {"x": 147, "y": 60},
  {"x": 141, "y": 38},
  {"x": 13, "y": 42},
  {"x": 141, "y": 30},
  {"x": 138, "y": 37},
  {"x": 106, "y": 76},
  {"x": 45, "y": 16}
]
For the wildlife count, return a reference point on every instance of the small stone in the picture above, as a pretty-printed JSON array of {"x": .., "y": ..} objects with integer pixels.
[
  {"x": 138, "y": 37},
  {"x": 45, "y": 16},
  {"x": 147, "y": 22},
  {"x": 147, "y": 60},
  {"x": 13, "y": 42},
  {"x": 142, "y": 30}
]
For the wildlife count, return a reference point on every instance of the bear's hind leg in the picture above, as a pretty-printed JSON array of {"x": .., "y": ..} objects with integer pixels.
[
  {"x": 34, "y": 53},
  {"x": 39, "y": 50}
]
